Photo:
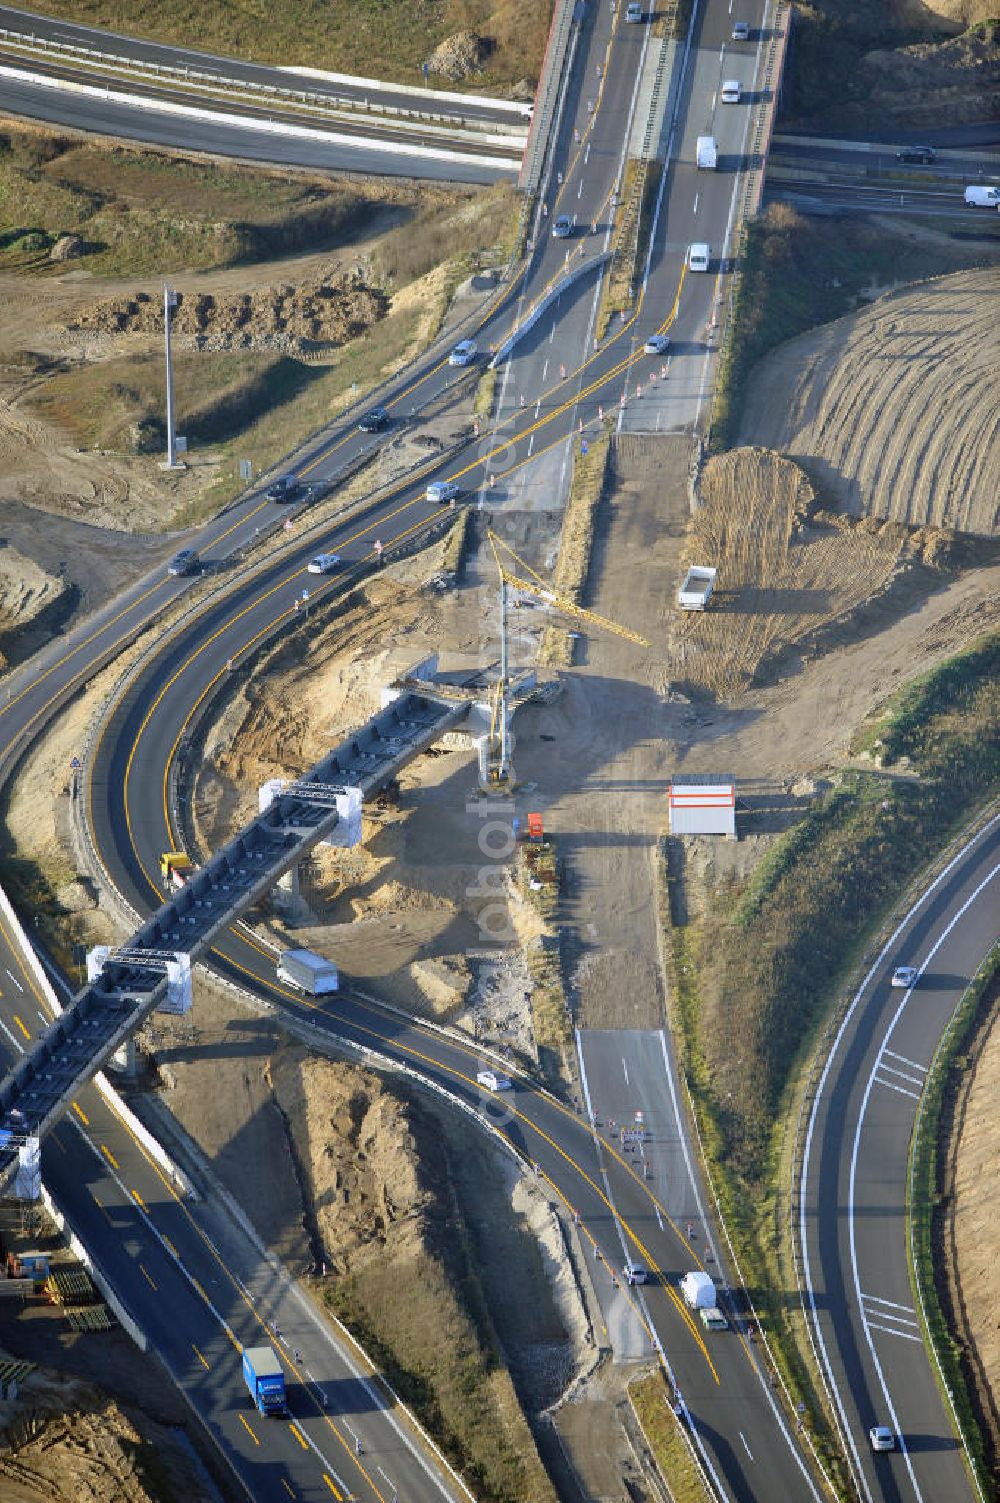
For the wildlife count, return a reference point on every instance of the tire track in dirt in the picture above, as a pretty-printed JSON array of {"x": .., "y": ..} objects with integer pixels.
[{"x": 894, "y": 411}]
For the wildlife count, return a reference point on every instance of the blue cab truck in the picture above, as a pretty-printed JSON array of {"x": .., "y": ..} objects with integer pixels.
[{"x": 265, "y": 1378}]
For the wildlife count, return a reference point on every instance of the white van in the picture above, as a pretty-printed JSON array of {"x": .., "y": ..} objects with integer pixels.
[
  {"x": 699, "y": 256},
  {"x": 731, "y": 91},
  {"x": 982, "y": 198},
  {"x": 634, "y": 1273}
]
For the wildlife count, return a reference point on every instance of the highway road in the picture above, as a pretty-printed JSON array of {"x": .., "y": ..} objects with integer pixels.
[
  {"x": 201, "y": 1287},
  {"x": 334, "y": 87},
  {"x": 853, "y": 1225}
]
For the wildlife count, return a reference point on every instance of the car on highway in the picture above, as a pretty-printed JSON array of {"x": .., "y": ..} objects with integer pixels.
[
  {"x": 699, "y": 256},
  {"x": 882, "y": 1438},
  {"x": 185, "y": 562},
  {"x": 492, "y": 1081},
  {"x": 442, "y": 491},
  {"x": 633, "y": 11},
  {"x": 373, "y": 421},
  {"x": 904, "y": 975},
  {"x": 922, "y": 154},
  {"x": 562, "y": 227},
  {"x": 656, "y": 344},
  {"x": 285, "y": 488},
  {"x": 634, "y": 1273},
  {"x": 741, "y": 31},
  {"x": 731, "y": 91},
  {"x": 324, "y": 563},
  {"x": 464, "y": 352},
  {"x": 713, "y": 1319}
]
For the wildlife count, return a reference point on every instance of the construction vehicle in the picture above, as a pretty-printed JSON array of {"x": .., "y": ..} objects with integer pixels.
[
  {"x": 175, "y": 868},
  {"x": 696, "y": 591},
  {"x": 265, "y": 1379},
  {"x": 536, "y": 833},
  {"x": 307, "y": 972},
  {"x": 496, "y": 771}
]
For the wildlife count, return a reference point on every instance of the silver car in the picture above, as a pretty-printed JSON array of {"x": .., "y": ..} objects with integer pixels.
[{"x": 464, "y": 353}]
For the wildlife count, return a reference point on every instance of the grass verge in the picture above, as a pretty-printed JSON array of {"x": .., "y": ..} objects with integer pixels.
[
  {"x": 389, "y": 39},
  {"x": 758, "y": 971},
  {"x": 799, "y": 272},
  {"x": 576, "y": 541},
  {"x": 671, "y": 1451},
  {"x": 929, "y": 1208}
]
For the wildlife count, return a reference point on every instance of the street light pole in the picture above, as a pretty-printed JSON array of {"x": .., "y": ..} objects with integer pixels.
[{"x": 169, "y": 304}]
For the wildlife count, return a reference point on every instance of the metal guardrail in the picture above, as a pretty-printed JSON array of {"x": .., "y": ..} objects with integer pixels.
[
  {"x": 220, "y": 83},
  {"x": 546, "y": 96}
]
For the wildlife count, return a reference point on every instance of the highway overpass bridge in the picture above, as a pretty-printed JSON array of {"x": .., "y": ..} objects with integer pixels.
[{"x": 134, "y": 980}]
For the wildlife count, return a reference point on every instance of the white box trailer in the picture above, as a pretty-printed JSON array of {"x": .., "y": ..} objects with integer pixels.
[
  {"x": 696, "y": 591},
  {"x": 706, "y": 153},
  {"x": 308, "y": 972},
  {"x": 698, "y": 1290}
]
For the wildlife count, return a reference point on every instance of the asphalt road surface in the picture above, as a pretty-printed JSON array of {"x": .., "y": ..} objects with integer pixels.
[{"x": 853, "y": 1225}]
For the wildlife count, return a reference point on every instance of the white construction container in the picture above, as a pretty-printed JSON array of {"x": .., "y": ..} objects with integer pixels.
[
  {"x": 307, "y": 972},
  {"x": 695, "y": 593},
  {"x": 706, "y": 153},
  {"x": 698, "y": 1290}
]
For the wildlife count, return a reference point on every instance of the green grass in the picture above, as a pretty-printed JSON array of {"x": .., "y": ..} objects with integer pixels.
[
  {"x": 375, "y": 38},
  {"x": 671, "y": 1451},
  {"x": 799, "y": 272},
  {"x": 928, "y": 1207}
]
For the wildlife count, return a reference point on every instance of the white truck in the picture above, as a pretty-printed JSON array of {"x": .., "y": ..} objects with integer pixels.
[
  {"x": 695, "y": 593},
  {"x": 307, "y": 972},
  {"x": 699, "y": 1294},
  {"x": 706, "y": 153}
]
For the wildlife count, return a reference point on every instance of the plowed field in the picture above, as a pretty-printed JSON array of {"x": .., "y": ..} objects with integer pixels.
[{"x": 895, "y": 411}]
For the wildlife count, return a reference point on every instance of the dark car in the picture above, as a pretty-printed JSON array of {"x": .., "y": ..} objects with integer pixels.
[
  {"x": 373, "y": 421},
  {"x": 185, "y": 562},
  {"x": 285, "y": 488},
  {"x": 922, "y": 154}
]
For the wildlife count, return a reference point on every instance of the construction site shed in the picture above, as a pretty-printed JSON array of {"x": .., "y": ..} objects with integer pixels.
[{"x": 704, "y": 806}]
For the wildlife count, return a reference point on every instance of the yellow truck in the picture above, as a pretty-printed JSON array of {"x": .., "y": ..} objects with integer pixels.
[{"x": 175, "y": 868}]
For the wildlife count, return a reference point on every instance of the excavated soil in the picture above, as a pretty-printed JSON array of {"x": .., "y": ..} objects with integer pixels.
[
  {"x": 290, "y": 319},
  {"x": 895, "y": 411}
]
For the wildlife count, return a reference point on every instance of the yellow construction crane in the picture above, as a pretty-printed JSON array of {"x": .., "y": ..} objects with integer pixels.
[{"x": 496, "y": 773}]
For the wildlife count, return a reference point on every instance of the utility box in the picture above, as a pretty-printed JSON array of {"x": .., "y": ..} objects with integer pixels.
[{"x": 704, "y": 806}]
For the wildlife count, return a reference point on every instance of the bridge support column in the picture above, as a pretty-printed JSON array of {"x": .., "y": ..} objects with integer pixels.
[{"x": 290, "y": 882}]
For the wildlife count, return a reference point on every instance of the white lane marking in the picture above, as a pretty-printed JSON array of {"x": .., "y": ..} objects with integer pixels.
[
  {"x": 538, "y": 406},
  {"x": 659, "y": 1218},
  {"x": 696, "y": 199},
  {"x": 586, "y": 155},
  {"x": 531, "y": 445},
  {"x": 579, "y": 191},
  {"x": 873, "y": 1325},
  {"x": 722, "y": 52},
  {"x": 625, "y": 1069},
  {"x": 389, "y": 1482},
  {"x": 846, "y": 1433},
  {"x": 16, "y": 1042},
  {"x": 898, "y": 1320},
  {"x": 552, "y": 333},
  {"x": 856, "y": 1153},
  {"x": 903, "y": 1074},
  {"x": 13, "y": 978},
  {"x": 545, "y": 367},
  {"x": 745, "y": 1446},
  {"x": 911, "y": 1062},
  {"x": 715, "y": 100},
  {"x": 913, "y": 1095},
  {"x": 876, "y": 1299}
]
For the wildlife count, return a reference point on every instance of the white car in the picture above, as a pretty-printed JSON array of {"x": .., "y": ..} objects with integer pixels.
[
  {"x": 324, "y": 563},
  {"x": 464, "y": 353},
  {"x": 656, "y": 344},
  {"x": 904, "y": 975},
  {"x": 633, "y": 11},
  {"x": 634, "y": 1273},
  {"x": 699, "y": 255},
  {"x": 882, "y": 1438},
  {"x": 741, "y": 31},
  {"x": 731, "y": 91},
  {"x": 442, "y": 491},
  {"x": 562, "y": 228},
  {"x": 492, "y": 1081}
]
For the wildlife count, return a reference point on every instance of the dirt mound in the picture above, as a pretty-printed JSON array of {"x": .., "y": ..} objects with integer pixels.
[
  {"x": 931, "y": 83},
  {"x": 63, "y": 1439},
  {"x": 286, "y": 318},
  {"x": 968, "y": 12},
  {"x": 893, "y": 411},
  {"x": 26, "y": 591},
  {"x": 458, "y": 56},
  {"x": 784, "y": 567}
]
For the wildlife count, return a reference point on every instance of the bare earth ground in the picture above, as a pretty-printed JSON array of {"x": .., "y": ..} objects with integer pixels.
[{"x": 894, "y": 411}]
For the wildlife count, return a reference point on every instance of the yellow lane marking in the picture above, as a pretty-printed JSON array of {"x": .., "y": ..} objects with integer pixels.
[
  {"x": 335, "y": 1490},
  {"x": 288, "y": 1488},
  {"x": 201, "y": 1358},
  {"x": 138, "y": 1200},
  {"x": 109, "y": 1156},
  {"x": 20, "y": 1025},
  {"x": 147, "y": 1276},
  {"x": 81, "y": 1114},
  {"x": 244, "y": 1422},
  {"x": 299, "y": 1436}
]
